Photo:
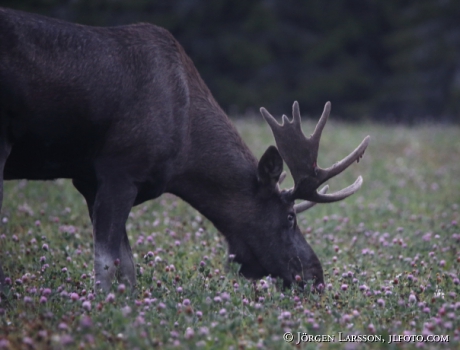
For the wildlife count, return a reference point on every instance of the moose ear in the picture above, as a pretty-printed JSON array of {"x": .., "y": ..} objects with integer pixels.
[{"x": 270, "y": 167}]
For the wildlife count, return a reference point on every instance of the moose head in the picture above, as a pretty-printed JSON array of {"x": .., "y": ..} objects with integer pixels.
[{"x": 272, "y": 243}]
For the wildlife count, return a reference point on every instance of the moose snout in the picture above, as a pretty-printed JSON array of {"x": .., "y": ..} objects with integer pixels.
[
  {"x": 315, "y": 274},
  {"x": 306, "y": 270}
]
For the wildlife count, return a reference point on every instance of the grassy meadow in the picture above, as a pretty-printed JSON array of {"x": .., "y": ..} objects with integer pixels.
[{"x": 390, "y": 253}]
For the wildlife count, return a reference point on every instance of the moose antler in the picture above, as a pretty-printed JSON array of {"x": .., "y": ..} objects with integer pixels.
[{"x": 301, "y": 153}]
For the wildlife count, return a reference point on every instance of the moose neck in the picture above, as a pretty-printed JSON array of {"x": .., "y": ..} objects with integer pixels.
[
  {"x": 219, "y": 175},
  {"x": 218, "y": 172}
]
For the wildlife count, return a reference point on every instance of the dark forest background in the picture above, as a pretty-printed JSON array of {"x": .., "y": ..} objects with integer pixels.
[{"x": 393, "y": 60}]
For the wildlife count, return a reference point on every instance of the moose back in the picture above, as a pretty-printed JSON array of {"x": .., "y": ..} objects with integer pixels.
[{"x": 123, "y": 112}]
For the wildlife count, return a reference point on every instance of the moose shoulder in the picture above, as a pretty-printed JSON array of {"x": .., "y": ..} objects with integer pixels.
[{"x": 123, "y": 112}]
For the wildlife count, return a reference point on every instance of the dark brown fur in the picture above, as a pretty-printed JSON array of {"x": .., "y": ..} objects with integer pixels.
[{"x": 123, "y": 112}]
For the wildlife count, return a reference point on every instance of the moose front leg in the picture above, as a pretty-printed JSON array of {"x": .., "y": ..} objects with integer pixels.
[{"x": 112, "y": 252}]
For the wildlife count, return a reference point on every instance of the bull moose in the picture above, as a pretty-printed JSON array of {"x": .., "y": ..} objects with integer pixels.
[{"x": 123, "y": 112}]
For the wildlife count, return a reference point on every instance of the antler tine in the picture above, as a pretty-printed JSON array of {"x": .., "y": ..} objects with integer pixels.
[
  {"x": 272, "y": 121},
  {"x": 305, "y": 205},
  {"x": 316, "y": 136},
  {"x": 339, "y": 195},
  {"x": 282, "y": 177},
  {"x": 269, "y": 118},
  {"x": 296, "y": 114}
]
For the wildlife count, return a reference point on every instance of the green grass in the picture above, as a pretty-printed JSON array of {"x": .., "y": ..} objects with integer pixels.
[{"x": 390, "y": 254}]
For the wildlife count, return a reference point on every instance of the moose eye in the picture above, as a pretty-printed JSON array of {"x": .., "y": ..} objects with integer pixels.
[{"x": 291, "y": 220}]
